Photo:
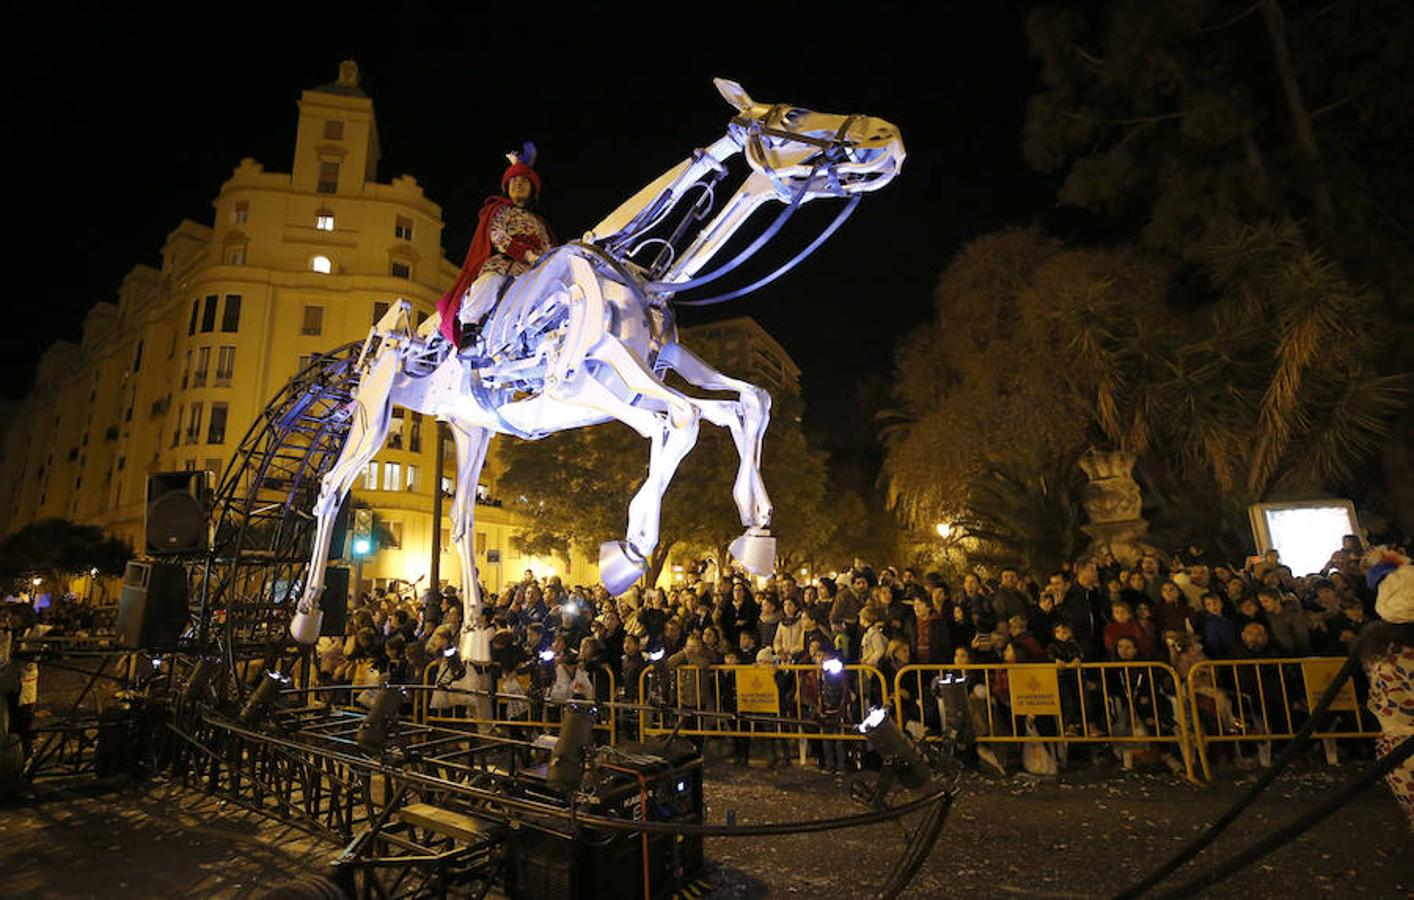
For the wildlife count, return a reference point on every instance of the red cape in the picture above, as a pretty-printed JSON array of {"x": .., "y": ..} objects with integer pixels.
[{"x": 476, "y": 256}]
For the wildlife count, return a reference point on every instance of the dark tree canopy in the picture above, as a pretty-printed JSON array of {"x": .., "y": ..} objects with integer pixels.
[
  {"x": 58, "y": 548},
  {"x": 1189, "y": 118}
]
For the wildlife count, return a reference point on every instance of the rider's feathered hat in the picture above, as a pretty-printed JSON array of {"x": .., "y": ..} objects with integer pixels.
[{"x": 522, "y": 163}]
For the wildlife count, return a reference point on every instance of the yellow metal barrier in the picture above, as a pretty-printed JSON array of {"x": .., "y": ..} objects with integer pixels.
[
  {"x": 507, "y": 712},
  {"x": 1129, "y": 704},
  {"x": 718, "y": 701},
  {"x": 1261, "y": 700}
]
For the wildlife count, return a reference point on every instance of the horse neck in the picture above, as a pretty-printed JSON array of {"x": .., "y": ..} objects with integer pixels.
[{"x": 754, "y": 191}]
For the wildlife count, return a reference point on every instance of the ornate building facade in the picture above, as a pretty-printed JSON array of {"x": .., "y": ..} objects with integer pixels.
[{"x": 170, "y": 375}]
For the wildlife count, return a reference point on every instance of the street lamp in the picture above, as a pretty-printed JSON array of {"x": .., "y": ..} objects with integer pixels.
[{"x": 944, "y": 530}]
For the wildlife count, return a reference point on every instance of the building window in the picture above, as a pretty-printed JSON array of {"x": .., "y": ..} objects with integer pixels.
[
  {"x": 322, "y": 265},
  {"x": 333, "y": 129},
  {"x": 189, "y": 465},
  {"x": 195, "y": 311},
  {"x": 213, "y": 465},
  {"x": 225, "y": 366},
  {"x": 401, "y": 270},
  {"x": 203, "y": 365},
  {"x": 402, "y": 230},
  {"x": 447, "y": 487},
  {"x": 415, "y": 438},
  {"x": 412, "y": 478},
  {"x": 380, "y": 309},
  {"x": 194, "y": 424},
  {"x": 216, "y": 431},
  {"x": 328, "y": 177},
  {"x": 137, "y": 357},
  {"x": 231, "y": 318},
  {"x": 240, "y": 213},
  {"x": 395, "y": 534},
  {"x": 177, "y": 432},
  {"x": 313, "y": 320},
  {"x": 186, "y": 371},
  {"x": 370, "y": 476},
  {"x": 304, "y": 362},
  {"x": 235, "y": 256},
  {"x": 395, "y": 429},
  {"x": 324, "y": 221},
  {"x": 392, "y": 476},
  {"x": 208, "y": 314}
]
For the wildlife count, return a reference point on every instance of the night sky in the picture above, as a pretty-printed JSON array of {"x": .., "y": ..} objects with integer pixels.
[{"x": 121, "y": 124}]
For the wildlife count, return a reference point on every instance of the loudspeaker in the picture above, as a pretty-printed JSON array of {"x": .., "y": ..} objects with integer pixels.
[
  {"x": 339, "y": 532},
  {"x": 176, "y": 513},
  {"x": 152, "y": 612},
  {"x": 335, "y": 603}
]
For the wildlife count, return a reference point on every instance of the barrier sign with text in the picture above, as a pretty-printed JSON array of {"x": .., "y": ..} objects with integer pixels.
[
  {"x": 1319, "y": 674},
  {"x": 1035, "y": 690},
  {"x": 756, "y": 691}
]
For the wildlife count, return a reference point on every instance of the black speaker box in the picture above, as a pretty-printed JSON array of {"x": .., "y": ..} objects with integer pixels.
[
  {"x": 176, "y": 513},
  {"x": 335, "y": 602},
  {"x": 339, "y": 533},
  {"x": 152, "y": 612}
]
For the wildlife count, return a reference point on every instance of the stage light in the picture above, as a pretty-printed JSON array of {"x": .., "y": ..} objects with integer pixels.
[
  {"x": 372, "y": 734},
  {"x": 898, "y": 752},
  {"x": 201, "y": 676},
  {"x": 566, "y": 768},
  {"x": 265, "y": 696}
]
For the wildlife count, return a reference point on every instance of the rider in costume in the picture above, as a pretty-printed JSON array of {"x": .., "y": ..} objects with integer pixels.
[{"x": 510, "y": 237}]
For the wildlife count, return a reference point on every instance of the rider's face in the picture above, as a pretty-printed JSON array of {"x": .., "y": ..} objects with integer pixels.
[{"x": 519, "y": 189}]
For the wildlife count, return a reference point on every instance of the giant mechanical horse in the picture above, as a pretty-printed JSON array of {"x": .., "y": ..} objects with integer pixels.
[{"x": 588, "y": 334}]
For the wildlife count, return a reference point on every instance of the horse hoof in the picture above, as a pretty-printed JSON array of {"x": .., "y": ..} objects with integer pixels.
[
  {"x": 619, "y": 566},
  {"x": 304, "y": 627},
  {"x": 756, "y": 550}
]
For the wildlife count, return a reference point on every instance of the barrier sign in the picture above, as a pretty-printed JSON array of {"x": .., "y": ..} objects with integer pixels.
[
  {"x": 756, "y": 691},
  {"x": 1319, "y": 674},
  {"x": 1035, "y": 690}
]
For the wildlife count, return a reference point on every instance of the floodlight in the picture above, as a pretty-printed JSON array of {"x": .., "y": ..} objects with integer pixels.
[
  {"x": 898, "y": 752},
  {"x": 566, "y": 768},
  {"x": 372, "y": 735},
  {"x": 265, "y": 696},
  {"x": 200, "y": 679}
]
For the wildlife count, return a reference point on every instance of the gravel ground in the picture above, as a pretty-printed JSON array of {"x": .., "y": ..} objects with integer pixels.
[{"x": 1084, "y": 835}]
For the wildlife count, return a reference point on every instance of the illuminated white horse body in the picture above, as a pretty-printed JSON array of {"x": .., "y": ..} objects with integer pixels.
[{"x": 586, "y": 336}]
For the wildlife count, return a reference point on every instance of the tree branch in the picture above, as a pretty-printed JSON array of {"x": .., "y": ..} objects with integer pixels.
[
  {"x": 1091, "y": 60},
  {"x": 1228, "y": 23}
]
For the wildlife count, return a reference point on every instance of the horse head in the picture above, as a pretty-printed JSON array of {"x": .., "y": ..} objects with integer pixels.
[{"x": 821, "y": 154}]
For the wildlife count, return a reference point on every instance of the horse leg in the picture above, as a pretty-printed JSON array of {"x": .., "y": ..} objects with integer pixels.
[
  {"x": 747, "y": 419},
  {"x": 371, "y": 417},
  {"x": 471, "y": 442},
  {"x": 671, "y": 436}
]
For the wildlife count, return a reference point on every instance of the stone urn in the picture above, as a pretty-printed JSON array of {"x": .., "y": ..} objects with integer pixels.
[{"x": 1112, "y": 501}]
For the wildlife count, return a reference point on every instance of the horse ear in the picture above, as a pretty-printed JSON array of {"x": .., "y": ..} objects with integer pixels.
[{"x": 733, "y": 93}]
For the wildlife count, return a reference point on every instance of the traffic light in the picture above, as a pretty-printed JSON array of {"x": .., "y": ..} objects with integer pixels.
[{"x": 363, "y": 532}]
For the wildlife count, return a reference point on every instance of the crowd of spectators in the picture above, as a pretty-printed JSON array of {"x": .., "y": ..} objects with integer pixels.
[{"x": 542, "y": 639}]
